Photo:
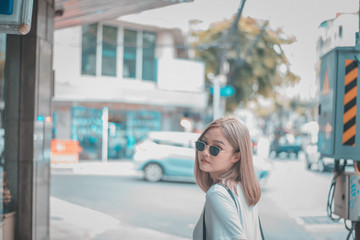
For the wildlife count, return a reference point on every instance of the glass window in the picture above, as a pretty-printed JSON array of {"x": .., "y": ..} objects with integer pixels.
[
  {"x": 86, "y": 127},
  {"x": 148, "y": 61},
  {"x": 109, "y": 46},
  {"x": 130, "y": 40},
  {"x": 340, "y": 31},
  {"x": 89, "y": 40}
]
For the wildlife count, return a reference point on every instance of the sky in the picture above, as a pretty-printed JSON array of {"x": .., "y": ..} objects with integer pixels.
[{"x": 299, "y": 18}]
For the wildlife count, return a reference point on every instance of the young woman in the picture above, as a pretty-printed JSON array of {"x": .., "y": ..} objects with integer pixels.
[{"x": 225, "y": 171}]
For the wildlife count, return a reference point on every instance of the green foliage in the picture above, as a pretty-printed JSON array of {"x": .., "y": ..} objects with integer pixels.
[{"x": 254, "y": 54}]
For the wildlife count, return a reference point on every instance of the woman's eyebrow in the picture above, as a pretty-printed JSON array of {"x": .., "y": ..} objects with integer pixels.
[{"x": 219, "y": 141}]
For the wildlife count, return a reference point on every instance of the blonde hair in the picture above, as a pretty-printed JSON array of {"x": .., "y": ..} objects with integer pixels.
[{"x": 242, "y": 171}]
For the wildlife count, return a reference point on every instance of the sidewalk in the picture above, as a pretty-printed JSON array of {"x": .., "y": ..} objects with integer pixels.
[
  {"x": 122, "y": 167},
  {"x": 71, "y": 221}
]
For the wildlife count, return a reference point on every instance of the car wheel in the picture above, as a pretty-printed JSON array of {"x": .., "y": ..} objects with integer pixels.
[
  {"x": 321, "y": 166},
  {"x": 153, "y": 172}
]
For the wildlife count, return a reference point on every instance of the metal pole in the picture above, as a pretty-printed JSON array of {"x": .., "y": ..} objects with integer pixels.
[
  {"x": 105, "y": 120},
  {"x": 357, "y": 230},
  {"x": 216, "y": 96},
  {"x": 223, "y": 68},
  {"x": 357, "y": 224}
]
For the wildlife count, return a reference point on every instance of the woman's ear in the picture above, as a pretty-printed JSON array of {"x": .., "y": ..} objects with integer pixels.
[{"x": 237, "y": 157}]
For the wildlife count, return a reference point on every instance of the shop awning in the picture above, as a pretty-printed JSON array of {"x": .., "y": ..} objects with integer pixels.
[{"x": 77, "y": 12}]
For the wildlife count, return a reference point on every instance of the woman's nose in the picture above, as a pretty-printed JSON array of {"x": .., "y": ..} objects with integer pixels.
[{"x": 206, "y": 150}]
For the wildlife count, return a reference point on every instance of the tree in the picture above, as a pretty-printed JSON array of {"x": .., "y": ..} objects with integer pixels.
[{"x": 255, "y": 56}]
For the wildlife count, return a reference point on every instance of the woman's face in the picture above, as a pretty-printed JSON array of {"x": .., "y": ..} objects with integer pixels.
[{"x": 216, "y": 165}]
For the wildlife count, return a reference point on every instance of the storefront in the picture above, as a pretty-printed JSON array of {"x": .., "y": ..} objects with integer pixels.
[{"x": 127, "y": 125}]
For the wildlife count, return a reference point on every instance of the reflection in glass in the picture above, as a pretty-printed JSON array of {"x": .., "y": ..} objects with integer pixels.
[
  {"x": 89, "y": 40},
  {"x": 7, "y": 208},
  {"x": 148, "y": 64},
  {"x": 109, "y": 46},
  {"x": 129, "y": 67}
]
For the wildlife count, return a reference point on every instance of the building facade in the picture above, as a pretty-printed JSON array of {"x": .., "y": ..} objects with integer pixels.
[
  {"x": 127, "y": 78},
  {"x": 337, "y": 32}
]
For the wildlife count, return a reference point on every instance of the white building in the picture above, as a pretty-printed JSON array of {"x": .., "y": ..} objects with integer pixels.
[
  {"x": 337, "y": 32},
  {"x": 133, "y": 78}
]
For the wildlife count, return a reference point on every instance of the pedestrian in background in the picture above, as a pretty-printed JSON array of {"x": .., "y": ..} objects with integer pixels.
[{"x": 225, "y": 171}]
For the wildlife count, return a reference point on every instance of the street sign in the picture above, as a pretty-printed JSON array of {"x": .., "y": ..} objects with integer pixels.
[
  {"x": 15, "y": 16},
  {"x": 226, "y": 91}
]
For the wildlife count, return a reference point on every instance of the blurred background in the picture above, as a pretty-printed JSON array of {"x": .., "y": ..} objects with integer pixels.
[{"x": 132, "y": 91}]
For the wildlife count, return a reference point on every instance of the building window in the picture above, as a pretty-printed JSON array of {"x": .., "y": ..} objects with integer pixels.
[
  {"x": 148, "y": 61},
  {"x": 87, "y": 127},
  {"x": 340, "y": 31},
  {"x": 88, "y": 58},
  {"x": 130, "y": 46},
  {"x": 109, "y": 46},
  {"x": 139, "y": 52}
]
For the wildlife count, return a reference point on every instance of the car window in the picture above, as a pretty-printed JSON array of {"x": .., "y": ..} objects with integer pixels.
[
  {"x": 174, "y": 144},
  {"x": 174, "y": 139}
]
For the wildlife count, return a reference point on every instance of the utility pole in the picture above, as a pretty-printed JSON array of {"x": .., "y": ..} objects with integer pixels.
[
  {"x": 217, "y": 82},
  {"x": 223, "y": 68}
]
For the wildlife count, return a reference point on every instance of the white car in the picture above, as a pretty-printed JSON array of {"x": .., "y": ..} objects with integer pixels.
[
  {"x": 166, "y": 155},
  {"x": 171, "y": 155}
]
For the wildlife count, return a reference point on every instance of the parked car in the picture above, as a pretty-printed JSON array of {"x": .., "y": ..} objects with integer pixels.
[
  {"x": 309, "y": 135},
  {"x": 322, "y": 163},
  {"x": 166, "y": 155},
  {"x": 313, "y": 157},
  {"x": 286, "y": 144},
  {"x": 171, "y": 156}
]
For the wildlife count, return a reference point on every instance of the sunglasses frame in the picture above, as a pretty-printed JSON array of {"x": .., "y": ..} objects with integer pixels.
[{"x": 210, "y": 147}]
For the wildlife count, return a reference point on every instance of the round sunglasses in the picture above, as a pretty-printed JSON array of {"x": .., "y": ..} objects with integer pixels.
[{"x": 213, "y": 150}]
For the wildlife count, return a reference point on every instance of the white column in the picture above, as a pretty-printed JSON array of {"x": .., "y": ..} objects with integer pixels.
[
  {"x": 216, "y": 97},
  {"x": 105, "y": 119}
]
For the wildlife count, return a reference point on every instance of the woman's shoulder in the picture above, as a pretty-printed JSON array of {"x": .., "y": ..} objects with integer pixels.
[
  {"x": 216, "y": 191},
  {"x": 218, "y": 197},
  {"x": 216, "y": 188}
]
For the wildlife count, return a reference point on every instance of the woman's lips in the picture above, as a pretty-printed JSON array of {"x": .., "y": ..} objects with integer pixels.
[{"x": 204, "y": 161}]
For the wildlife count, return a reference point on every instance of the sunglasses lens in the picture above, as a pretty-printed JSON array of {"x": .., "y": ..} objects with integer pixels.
[
  {"x": 200, "y": 146},
  {"x": 214, "y": 151}
]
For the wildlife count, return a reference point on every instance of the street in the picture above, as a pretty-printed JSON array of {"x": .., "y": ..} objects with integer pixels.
[{"x": 293, "y": 204}]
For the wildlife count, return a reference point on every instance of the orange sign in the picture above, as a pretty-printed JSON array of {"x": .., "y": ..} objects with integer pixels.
[
  {"x": 65, "y": 151},
  {"x": 326, "y": 87}
]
